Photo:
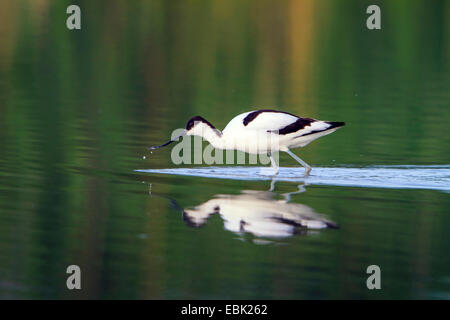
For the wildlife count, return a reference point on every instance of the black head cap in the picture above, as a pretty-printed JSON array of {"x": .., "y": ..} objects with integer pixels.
[{"x": 192, "y": 121}]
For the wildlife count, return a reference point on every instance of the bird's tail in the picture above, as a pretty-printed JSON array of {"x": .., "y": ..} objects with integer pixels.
[{"x": 335, "y": 124}]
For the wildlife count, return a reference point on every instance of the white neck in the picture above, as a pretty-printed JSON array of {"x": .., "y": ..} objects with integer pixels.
[{"x": 213, "y": 136}]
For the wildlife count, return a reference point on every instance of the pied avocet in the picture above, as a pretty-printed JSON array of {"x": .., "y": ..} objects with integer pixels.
[{"x": 262, "y": 131}]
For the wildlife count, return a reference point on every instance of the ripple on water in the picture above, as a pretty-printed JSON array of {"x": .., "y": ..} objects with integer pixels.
[{"x": 435, "y": 177}]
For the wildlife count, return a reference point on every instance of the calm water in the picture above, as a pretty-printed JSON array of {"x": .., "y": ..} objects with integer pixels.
[{"x": 79, "y": 108}]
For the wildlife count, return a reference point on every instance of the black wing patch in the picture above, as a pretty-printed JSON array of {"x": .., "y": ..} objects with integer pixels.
[
  {"x": 304, "y": 122},
  {"x": 252, "y": 115},
  {"x": 293, "y": 223},
  {"x": 295, "y": 126},
  {"x": 332, "y": 125},
  {"x": 299, "y": 124}
]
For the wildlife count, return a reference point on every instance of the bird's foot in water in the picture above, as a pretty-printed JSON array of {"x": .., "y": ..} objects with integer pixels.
[{"x": 307, "y": 171}]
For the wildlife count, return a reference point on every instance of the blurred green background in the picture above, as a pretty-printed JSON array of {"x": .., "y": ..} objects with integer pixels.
[{"x": 78, "y": 108}]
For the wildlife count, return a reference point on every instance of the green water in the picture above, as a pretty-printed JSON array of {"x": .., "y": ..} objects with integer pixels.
[{"x": 78, "y": 109}]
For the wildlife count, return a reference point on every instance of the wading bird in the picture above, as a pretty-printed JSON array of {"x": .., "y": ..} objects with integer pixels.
[{"x": 261, "y": 132}]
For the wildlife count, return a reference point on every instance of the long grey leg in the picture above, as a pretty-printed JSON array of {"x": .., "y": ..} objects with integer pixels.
[
  {"x": 303, "y": 163},
  {"x": 287, "y": 196},
  {"x": 274, "y": 164},
  {"x": 272, "y": 185}
]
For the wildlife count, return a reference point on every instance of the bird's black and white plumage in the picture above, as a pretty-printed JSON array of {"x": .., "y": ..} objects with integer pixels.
[
  {"x": 263, "y": 131},
  {"x": 293, "y": 131}
]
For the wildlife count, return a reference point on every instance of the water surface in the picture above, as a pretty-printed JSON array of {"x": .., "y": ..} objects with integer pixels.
[{"x": 406, "y": 177}]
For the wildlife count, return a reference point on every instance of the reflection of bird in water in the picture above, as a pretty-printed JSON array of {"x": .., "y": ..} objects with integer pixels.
[{"x": 258, "y": 213}]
